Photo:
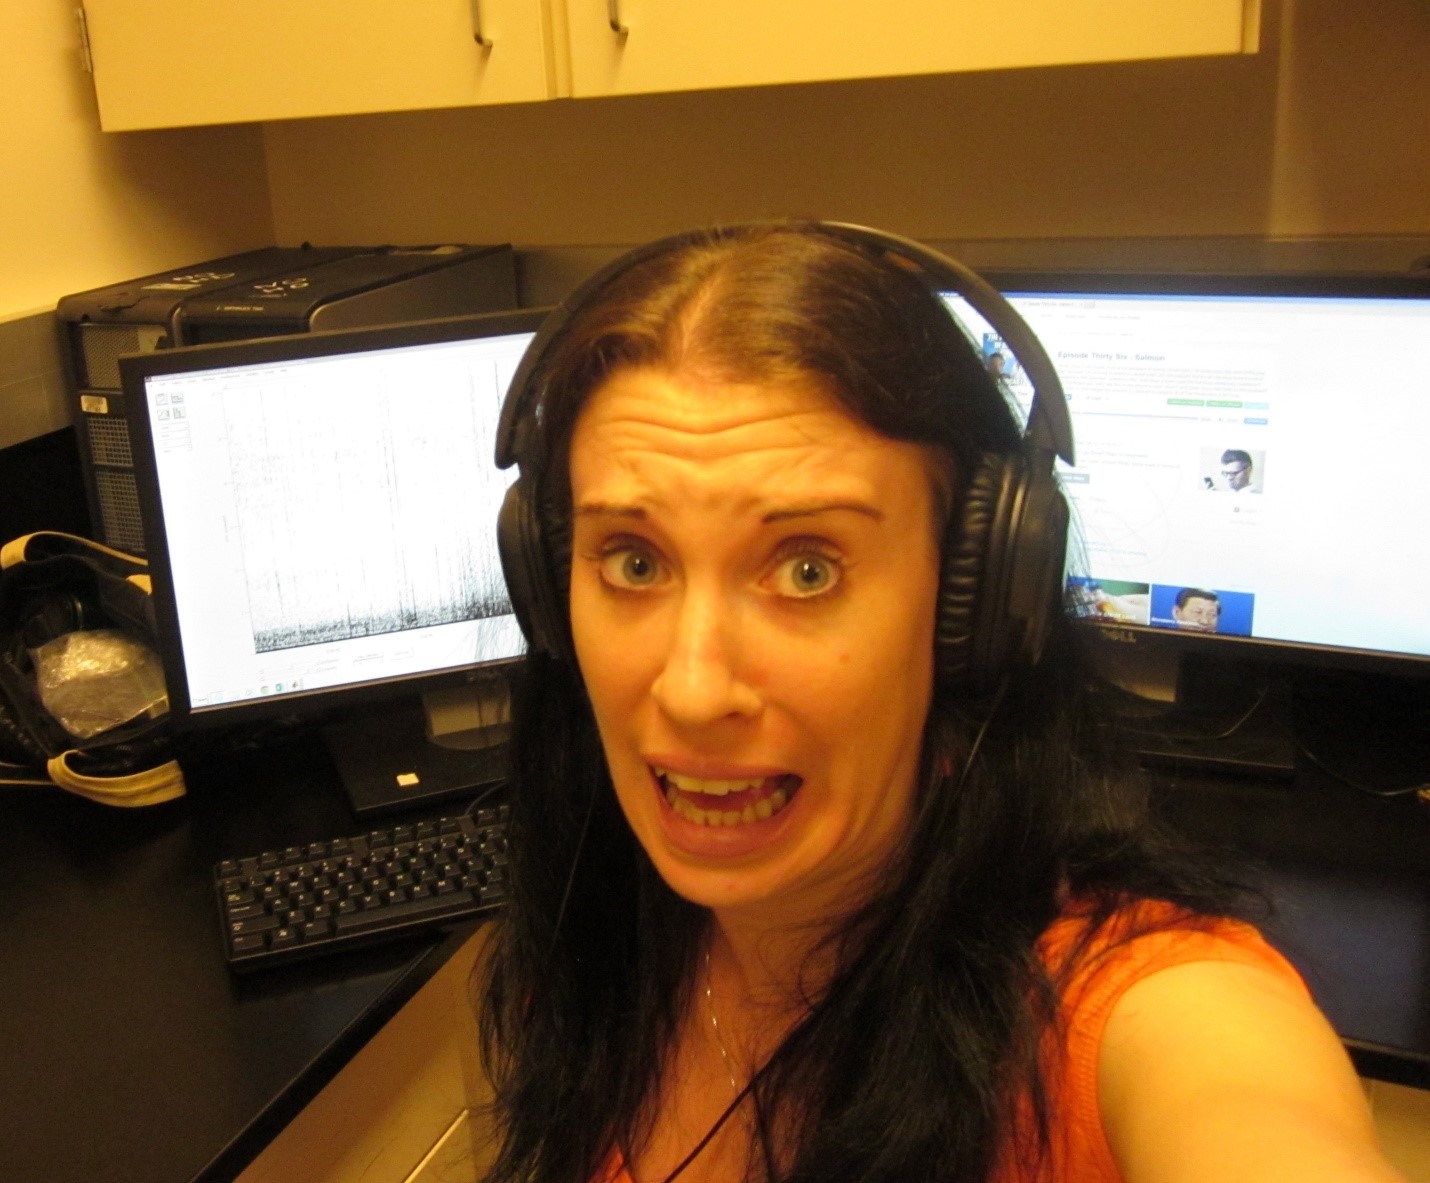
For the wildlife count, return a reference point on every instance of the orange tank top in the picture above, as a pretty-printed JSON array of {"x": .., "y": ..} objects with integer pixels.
[{"x": 1137, "y": 942}]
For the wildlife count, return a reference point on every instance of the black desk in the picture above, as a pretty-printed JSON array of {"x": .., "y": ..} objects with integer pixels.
[
  {"x": 1349, "y": 877},
  {"x": 127, "y": 1052}
]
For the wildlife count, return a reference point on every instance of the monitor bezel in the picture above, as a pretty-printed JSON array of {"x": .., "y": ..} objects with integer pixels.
[
  {"x": 136, "y": 369},
  {"x": 1307, "y": 285}
]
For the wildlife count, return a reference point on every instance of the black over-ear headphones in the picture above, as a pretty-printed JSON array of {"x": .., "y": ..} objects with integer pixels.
[{"x": 1004, "y": 549}]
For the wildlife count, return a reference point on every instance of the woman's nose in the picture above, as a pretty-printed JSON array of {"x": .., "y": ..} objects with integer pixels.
[{"x": 702, "y": 678}]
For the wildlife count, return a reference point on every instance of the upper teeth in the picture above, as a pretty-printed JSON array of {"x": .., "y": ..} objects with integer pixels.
[{"x": 711, "y": 788}]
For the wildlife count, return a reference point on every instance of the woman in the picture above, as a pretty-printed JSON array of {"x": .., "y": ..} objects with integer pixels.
[{"x": 787, "y": 902}]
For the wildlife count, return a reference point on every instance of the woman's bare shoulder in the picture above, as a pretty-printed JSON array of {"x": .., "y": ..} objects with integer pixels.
[{"x": 1224, "y": 1069}]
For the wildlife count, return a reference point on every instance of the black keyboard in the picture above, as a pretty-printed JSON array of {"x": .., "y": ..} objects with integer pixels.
[{"x": 285, "y": 905}]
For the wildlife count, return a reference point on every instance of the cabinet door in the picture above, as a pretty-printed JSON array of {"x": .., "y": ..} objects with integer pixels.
[
  {"x": 172, "y": 63},
  {"x": 697, "y": 44}
]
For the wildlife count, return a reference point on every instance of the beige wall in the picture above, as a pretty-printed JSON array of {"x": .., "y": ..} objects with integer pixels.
[
  {"x": 79, "y": 208},
  {"x": 1326, "y": 132}
]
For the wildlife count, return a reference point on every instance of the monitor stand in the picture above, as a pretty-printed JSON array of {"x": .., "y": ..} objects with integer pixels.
[
  {"x": 445, "y": 746},
  {"x": 1185, "y": 712}
]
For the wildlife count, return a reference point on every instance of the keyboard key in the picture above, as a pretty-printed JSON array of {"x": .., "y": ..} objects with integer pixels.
[
  {"x": 239, "y": 928},
  {"x": 360, "y": 922},
  {"x": 245, "y": 911}
]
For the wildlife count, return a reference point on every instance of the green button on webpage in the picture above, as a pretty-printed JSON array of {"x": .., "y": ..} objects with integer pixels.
[
  {"x": 1187, "y": 402},
  {"x": 1223, "y": 402}
]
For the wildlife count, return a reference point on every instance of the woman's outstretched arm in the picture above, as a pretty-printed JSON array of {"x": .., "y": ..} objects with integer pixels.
[{"x": 1220, "y": 1070}]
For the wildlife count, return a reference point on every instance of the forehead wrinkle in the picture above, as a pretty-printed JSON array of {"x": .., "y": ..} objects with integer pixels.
[
  {"x": 698, "y": 438},
  {"x": 688, "y": 400},
  {"x": 635, "y": 496},
  {"x": 638, "y": 458},
  {"x": 648, "y": 442}
]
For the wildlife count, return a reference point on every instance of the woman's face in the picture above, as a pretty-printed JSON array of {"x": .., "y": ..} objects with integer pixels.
[{"x": 753, "y": 586}]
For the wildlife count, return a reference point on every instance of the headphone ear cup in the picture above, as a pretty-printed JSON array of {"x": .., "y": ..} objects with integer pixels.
[
  {"x": 1002, "y": 574},
  {"x": 529, "y": 581},
  {"x": 1036, "y": 569},
  {"x": 960, "y": 631},
  {"x": 52, "y": 615}
]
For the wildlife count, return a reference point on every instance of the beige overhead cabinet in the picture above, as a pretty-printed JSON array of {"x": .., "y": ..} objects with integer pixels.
[
  {"x": 170, "y": 63},
  {"x": 176, "y": 63},
  {"x": 641, "y": 46}
]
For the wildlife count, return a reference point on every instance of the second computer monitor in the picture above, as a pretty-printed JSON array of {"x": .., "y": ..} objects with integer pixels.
[
  {"x": 1250, "y": 451},
  {"x": 321, "y": 514}
]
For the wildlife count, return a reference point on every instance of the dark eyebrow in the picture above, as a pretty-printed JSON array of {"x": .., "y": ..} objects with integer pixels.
[
  {"x": 807, "y": 511},
  {"x": 614, "y": 510},
  {"x": 608, "y": 509}
]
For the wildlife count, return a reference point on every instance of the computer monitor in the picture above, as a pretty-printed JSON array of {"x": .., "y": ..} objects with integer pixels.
[
  {"x": 1250, "y": 459},
  {"x": 320, "y": 517}
]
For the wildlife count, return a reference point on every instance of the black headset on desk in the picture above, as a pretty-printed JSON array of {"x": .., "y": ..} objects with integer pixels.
[{"x": 1003, "y": 551}]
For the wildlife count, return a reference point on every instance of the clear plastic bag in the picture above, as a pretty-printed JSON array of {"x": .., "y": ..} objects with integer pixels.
[{"x": 92, "y": 681}]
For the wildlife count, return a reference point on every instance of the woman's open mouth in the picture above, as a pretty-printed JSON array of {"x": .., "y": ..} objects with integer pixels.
[{"x": 726, "y": 802}]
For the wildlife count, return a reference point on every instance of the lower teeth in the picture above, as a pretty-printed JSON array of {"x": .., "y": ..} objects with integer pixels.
[{"x": 764, "y": 808}]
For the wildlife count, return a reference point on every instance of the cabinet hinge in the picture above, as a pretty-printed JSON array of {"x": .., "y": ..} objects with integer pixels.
[{"x": 86, "y": 57}]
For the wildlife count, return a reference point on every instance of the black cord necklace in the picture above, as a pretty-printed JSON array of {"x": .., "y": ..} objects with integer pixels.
[
  {"x": 740, "y": 1093},
  {"x": 716, "y": 1128},
  {"x": 757, "y": 1130}
]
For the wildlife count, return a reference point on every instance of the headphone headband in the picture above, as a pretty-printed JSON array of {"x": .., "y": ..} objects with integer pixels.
[{"x": 1049, "y": 427}]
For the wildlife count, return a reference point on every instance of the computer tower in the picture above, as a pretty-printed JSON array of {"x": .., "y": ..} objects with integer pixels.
[{"x": 261, "y": 293}]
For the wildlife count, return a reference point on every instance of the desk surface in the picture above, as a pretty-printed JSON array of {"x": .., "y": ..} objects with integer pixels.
[
  {"x": 130, "y": 1053},
  {"x": 1348, "y": 876}
]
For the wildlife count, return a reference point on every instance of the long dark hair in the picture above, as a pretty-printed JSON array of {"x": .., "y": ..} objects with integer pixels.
[{"x": 932, "y": 1029}]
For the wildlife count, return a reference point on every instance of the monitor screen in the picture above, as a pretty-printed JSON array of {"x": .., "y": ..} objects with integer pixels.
[
  {"x": 321, "y": 511},
  {"x": 1250, "y": 452}
]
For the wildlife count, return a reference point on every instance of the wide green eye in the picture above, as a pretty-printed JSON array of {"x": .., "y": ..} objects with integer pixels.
[
  {"x": 806, "y": 575},
  {"x": 630, "y": 566}
]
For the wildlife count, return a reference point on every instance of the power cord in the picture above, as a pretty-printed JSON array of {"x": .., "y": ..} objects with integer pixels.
[
  {"x": 1417, "y": 790},
  {"x": 22, "y": 774},
  {"x": 1176, "y": 722},
  {"x": 490, "y": 791},
  {"x": 1371, "y": 732}
]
